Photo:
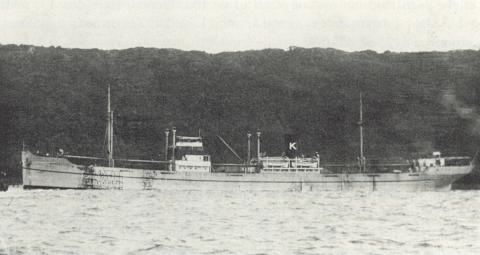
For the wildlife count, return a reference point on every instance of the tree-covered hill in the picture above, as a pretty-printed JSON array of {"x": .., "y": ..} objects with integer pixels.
[{"x": 413, "y": 102}]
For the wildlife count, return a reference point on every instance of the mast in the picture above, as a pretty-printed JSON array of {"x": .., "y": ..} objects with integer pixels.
[
  {"x": 248, "y": 147},
  {"x": 360, "y": 123},
  {"x": 109, "y": 132},
  {"x": 258, "y": 145},
  {"x": 166, "y": 143},
  {"x": 174, "y": 145}
]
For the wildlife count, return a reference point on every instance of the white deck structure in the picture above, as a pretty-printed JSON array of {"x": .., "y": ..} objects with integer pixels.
[{"x": 191, "y": 156}]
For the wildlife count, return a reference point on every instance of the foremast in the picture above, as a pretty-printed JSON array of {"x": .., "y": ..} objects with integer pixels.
[
  {"x": 360, "y": 124},
  {"x": 111, "y": 162}
]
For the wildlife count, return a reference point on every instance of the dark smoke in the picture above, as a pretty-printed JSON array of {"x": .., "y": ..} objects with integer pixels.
[{"x": 462, "y": 110}]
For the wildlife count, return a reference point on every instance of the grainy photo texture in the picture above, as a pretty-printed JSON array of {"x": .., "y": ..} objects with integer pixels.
[{"x": 239, "y": 127}]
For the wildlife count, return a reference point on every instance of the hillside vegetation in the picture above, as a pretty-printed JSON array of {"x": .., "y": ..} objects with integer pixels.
[{"x": 414, "y": 103}]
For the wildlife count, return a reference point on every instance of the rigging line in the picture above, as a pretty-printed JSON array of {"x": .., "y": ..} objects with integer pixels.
[
  {"x": 116, "y": 146},
  {"x": 104, "y": 145},
  {"x": 143, "y": 160},
  {"x": 230, "y": 148},
  {"x": 83, "y": 157}
]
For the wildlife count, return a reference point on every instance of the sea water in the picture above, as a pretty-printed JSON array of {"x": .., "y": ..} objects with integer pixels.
[{"x": 237, "y": 222}]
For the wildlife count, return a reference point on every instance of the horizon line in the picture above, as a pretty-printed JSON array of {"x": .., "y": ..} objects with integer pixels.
[{"x": 289, "y": 48}]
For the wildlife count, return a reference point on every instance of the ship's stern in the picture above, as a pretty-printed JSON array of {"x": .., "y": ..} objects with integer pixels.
[{"x": 445, "y": 176}]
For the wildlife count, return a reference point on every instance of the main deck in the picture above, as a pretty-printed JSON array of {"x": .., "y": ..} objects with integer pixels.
[{"x": 53, "y": 172}]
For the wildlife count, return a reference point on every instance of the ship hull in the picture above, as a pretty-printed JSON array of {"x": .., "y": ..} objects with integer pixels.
[{"x": 59, "y": 173}]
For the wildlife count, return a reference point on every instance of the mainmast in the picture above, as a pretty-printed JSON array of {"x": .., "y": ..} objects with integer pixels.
[
  {"x": 111, "y": 163},
  {"x": 360, "y": 123}
]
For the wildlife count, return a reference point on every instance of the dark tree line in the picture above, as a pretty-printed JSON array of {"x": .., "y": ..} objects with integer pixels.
[{"x": 56, "y": 98}]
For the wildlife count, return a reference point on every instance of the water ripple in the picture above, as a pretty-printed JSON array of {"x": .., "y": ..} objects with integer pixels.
[{"x": 210, "y": 222}]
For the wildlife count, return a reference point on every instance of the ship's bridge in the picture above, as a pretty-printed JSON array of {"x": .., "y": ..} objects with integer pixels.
[
  {"x": 190, "y": 155},
  {"x": 187, "y": 145},
  {"x": 189, "y": 141}
]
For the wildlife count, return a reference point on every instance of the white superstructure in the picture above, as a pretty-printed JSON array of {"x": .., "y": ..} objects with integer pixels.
[{"x": 190, "y": 155}]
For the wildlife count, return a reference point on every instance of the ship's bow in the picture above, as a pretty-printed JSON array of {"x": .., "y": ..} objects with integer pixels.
[{"x": 50, "y": 172}]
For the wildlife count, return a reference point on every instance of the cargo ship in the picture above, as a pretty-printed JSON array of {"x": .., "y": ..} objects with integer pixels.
[{"x": 188, "y": 167}]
